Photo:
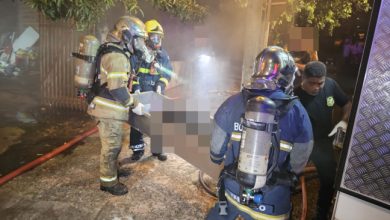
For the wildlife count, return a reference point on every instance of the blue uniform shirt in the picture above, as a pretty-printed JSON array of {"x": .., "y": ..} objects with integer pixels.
[{"x": 148, "y": 81}]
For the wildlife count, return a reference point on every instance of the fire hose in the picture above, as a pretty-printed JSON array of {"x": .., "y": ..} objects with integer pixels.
[
  {"x": 46, "y": 157},
  {"x": 308, "y": 169}
]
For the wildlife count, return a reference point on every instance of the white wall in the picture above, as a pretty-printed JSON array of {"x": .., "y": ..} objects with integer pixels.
[{"x": 351, "y": 208}]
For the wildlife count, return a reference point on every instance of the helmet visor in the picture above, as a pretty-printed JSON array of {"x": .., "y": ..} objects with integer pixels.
[
  {"x": 273, "y": 68},
  {"x": 267, "y": 68},
  {"x": 155, "y": 39}
]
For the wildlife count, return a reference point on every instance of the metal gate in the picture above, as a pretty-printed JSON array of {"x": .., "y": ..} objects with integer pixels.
[{"x": 57, "y": 41}]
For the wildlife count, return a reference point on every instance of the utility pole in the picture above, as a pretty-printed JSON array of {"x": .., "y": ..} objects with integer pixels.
[{"x": 256, "y": 34}]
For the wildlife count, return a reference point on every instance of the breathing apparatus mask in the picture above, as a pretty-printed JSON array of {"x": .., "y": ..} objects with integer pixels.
[
  {"x": 154, "y": 41},
  {"x": 136, "y": 45},
  {"x": 274, "y": 68}
]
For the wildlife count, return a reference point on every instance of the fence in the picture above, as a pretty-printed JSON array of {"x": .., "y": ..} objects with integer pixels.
[{"x": 57, "y": 41}]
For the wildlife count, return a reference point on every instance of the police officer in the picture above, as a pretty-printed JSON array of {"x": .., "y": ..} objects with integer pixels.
[
  {"x": 151, "y": 77},
  {"x": 272, "y": 78},
  {"x": 111, "y": 105}
]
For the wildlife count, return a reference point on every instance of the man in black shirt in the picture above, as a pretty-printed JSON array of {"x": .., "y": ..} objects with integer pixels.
[{"x": 318, "y": 95}]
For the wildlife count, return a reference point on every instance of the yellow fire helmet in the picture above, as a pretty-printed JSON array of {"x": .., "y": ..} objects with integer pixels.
[
  {"x": 153, "y": 27},
  {"x": 129, "y": 25}
]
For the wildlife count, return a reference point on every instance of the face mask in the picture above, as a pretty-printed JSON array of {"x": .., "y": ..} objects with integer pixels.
[
  {"x": 155, "y": 40},
  {"x": 147, "y": 54}
]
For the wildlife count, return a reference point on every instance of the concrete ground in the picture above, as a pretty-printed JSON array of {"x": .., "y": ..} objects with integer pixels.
[{"x": 67, "y": 187}]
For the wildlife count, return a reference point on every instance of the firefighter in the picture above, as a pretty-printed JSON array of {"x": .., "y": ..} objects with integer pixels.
[
  {"x": 268, "y": 121},
  {"x": 112, "y": 102},
  {"x": 151, "y": 77}
]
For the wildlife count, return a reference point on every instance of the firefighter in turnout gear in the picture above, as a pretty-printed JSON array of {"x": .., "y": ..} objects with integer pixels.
[
  {"x": 112, "y": 101},
  {"x": 264, "y": 137},
  {"x": 150, "y": 77}
]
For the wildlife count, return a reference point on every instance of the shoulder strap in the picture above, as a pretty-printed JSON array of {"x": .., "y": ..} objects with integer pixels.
[
  {"x": 284, "y": 104},
  {"x": 103, "y": 49}
]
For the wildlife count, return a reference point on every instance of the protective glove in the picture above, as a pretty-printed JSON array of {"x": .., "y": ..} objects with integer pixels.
[
  {"x": 158, "y": 89},
  {"x": 137, "y": 91},
  {"x": 341, "y": 124},
  {"x": 141, "y": 109}
]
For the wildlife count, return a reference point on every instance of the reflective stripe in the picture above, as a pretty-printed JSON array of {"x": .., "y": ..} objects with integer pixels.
[
  {"x": 216, "y": 158},
  {"x": 137, "y": 147},
  {"x": 135, "y": 83},
  {"x": 286, "y": 146},
  {"x": 143, "y": 70},
  {"x": 117, "y": 75},
  {"x": 236, "y": 136},
  {"x": 110, "y": 104},
  {"x": 104, "y": 179},
  {"x": 165, "y": 81},
  {"x": 253, "y": 213}
]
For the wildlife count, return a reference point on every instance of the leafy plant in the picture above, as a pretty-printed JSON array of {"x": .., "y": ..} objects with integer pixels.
[
  {"x": 323, "y": 15},
  {"x": 186, "y": 10},
  {"x": 87, "y": 12}
]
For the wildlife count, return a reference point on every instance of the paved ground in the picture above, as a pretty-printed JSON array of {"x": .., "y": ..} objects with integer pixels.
[{"x": 67, "y": 187}]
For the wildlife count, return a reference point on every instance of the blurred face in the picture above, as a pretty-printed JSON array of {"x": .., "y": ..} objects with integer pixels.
[{"x": 313, "y": 85}]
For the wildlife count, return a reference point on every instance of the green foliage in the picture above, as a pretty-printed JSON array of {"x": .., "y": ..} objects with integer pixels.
[
  {"x": 82, "y": 12},
  {"x": 323, "y": 15},
  {"x": 186, "y": 10},
  {"x": 87, "y": 12}
]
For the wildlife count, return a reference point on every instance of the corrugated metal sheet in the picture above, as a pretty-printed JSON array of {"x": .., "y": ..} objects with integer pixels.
[
  {"x": 57, "y": 41},
  {"x": 27, "y": 17}
]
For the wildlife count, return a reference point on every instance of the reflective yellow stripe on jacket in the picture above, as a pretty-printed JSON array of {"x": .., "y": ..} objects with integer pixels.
[
  {"x": 113, "y": 75},
  {"x": 236, "y": 136},
  {"x": 254, "y": 214},
  {"x": 164, "y": 80},
  {"x": 143, "y": 70},
  {"x": 109, "y": 103},
  {"x": 286, "y": 146}
]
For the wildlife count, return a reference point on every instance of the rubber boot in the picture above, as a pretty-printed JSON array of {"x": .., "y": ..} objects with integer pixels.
[
  {"x": 116, "y": 190},
  {"x": 137, "y": 155},
  {"x": 160, "y": 156}
]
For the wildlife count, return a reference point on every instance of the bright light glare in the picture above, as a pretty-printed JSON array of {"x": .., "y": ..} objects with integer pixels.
[{"x": 204, "y": 58}]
